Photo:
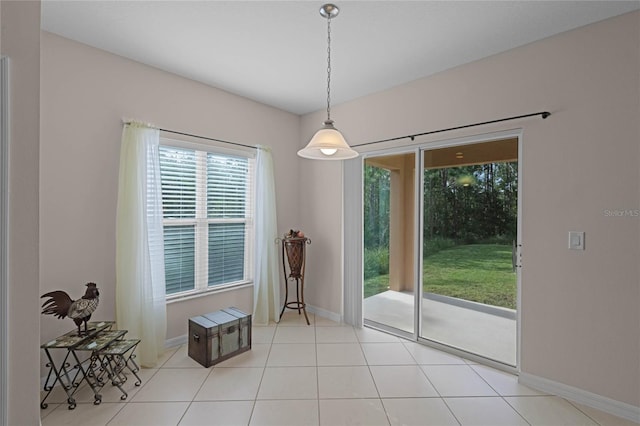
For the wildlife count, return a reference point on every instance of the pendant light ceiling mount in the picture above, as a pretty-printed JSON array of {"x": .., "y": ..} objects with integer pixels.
[
  {"x": 329, "y": 11},
  {"x": 328, "y": 143}
]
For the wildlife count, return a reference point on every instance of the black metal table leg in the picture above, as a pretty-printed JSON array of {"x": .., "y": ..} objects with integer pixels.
[{"x": 59, "y": 374}]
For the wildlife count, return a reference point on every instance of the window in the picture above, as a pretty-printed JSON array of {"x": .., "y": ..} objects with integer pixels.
[{"x": 206, "y": 199}]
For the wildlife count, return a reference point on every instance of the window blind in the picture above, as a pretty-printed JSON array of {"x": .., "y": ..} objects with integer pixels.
[
  {"x": 206, "y": 204},
  {"x": 226, "y": 252},
  {"x": 178, "y": 178},
  {"x": 179, "y": 258},
  {"x": 226, "y": 186}
]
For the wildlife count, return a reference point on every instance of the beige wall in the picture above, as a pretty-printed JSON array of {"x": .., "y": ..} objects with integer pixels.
[
  {"x": 580, "y": 316},
  {"x": 321, "y": 219},
  {"x": 20, "y": 41},
  {"x": 580, "y": 312},
  {"x": 85, "y": 94}
]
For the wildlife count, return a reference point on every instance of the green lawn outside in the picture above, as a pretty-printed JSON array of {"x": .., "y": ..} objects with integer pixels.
[
  {"x": 476, "y": 272},
  {"x": 376, "y": 285}
]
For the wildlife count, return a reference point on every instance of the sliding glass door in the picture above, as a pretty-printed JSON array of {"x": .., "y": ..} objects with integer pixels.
[
  {"x": 469, "y": 231},
  {"x": 440, "y": 246},
  {"x": 389, "y": 240}
]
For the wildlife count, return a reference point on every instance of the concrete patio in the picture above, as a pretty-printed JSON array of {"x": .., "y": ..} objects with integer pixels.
[{"x": 471, "y": 328}]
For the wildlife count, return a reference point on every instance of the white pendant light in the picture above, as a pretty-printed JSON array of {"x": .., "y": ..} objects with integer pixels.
[{"x": 328, "y": 143}]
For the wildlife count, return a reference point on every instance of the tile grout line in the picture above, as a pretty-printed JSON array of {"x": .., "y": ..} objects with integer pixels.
[
  {"x": 499, "y": 394},
  {"x": 196, "y": 394},
  {"x": 506, "y": 397},
  {"x": 578, "y": 408},
  {"x": 264, "y": 369},
  {"x": 435, "y": 388},
  {"x": 386, "y": 414},
  {"x": 129, "y": 401},
  {"x": 118, "y": 412}
]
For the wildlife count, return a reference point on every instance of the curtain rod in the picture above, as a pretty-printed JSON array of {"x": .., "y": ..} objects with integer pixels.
[
  {"x": 196, "y": 136},
  {"x": 209, "y": 139},
  {"x": 544, "y": 115}
]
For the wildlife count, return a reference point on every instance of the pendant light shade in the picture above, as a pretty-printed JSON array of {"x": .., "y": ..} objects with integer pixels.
[{"x": 328, "y": 143}]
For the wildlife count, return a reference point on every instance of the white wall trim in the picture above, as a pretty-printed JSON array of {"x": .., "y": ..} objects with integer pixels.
[
  {"x": 352, "y": 278},
  {"x": 4, "y": 239},
  {"x": 324, "y": 313},
  {"x": 602, "y": 403},
  {"x": 520, "y": 210},
  {"x": 176, "y": 341}
]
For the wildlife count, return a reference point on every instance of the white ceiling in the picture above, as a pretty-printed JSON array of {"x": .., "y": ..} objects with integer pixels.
[{"x": 275, "y": 51}]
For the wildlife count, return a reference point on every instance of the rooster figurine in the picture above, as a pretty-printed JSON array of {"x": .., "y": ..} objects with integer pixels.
[{"x": 61, "y": 305}]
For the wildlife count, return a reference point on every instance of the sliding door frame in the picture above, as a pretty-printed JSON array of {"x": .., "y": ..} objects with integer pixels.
[
  {"x": 447, "y": 143},
  {"x": 353, "y": 238},
  {"x": 352, "y": 242},
  {"x": 411, "y": 149}
]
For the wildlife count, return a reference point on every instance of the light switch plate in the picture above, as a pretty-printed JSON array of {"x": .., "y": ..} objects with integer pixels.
[{"x": 576, "y": 240}]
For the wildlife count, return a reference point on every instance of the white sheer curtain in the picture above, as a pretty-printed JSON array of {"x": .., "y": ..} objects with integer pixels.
[
  {"x": 140, "y": 285},
  {"x": 266, "y": 287}
]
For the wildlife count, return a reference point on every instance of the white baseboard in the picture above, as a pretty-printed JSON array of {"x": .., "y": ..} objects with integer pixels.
[
  {"x": 176, "y": 341},
  {"x": 599, "y": 402},
  {"x": 324, "y": 313}
]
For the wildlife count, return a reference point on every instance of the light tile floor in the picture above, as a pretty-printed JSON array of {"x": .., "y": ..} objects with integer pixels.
[{"x": 324, "y": 374}]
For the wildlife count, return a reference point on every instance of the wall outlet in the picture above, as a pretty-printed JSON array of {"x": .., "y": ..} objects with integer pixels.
[{"x": 576, "y": 240}]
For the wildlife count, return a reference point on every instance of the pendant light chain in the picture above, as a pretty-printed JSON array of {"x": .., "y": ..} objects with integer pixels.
[
  {"x": 328, "y": 143},
  {"x": 329, "y": 68}
]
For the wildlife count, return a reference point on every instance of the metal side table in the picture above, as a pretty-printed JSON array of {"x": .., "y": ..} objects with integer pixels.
[
  {"x": 115, "y": 358},
  {"x": 65, "y": 374},
  {"x": 95, "y": 370}
]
